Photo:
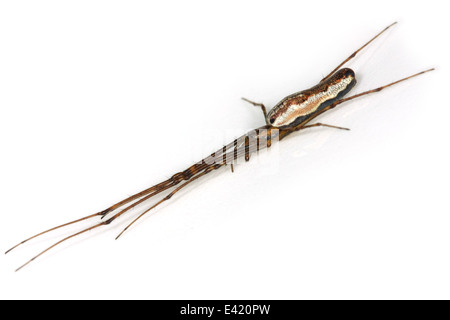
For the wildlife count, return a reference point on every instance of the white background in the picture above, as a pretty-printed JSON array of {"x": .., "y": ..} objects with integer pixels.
[{"x": 100, "y": 99}]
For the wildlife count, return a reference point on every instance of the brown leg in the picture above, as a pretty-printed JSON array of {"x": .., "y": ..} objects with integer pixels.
[
  {"x": 374, "y": 90},
  {"x": 104, "y": 223},
  {"x": 207, "y": 170},
  {"x": 263, "y": 108},
  {"x": 322, "y": 125},
  {"x": 331, "y": 106},
  {"x": 63, "y": 225},
  {"x": 355, "y": 53},
  {"x": 54, "y": 245}
]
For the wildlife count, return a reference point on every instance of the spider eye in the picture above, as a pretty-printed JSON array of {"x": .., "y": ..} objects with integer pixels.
[{"x": 272, "y": 120}]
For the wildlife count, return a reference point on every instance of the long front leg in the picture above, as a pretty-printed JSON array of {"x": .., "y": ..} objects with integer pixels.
[{"x": 207, "y": 170}]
